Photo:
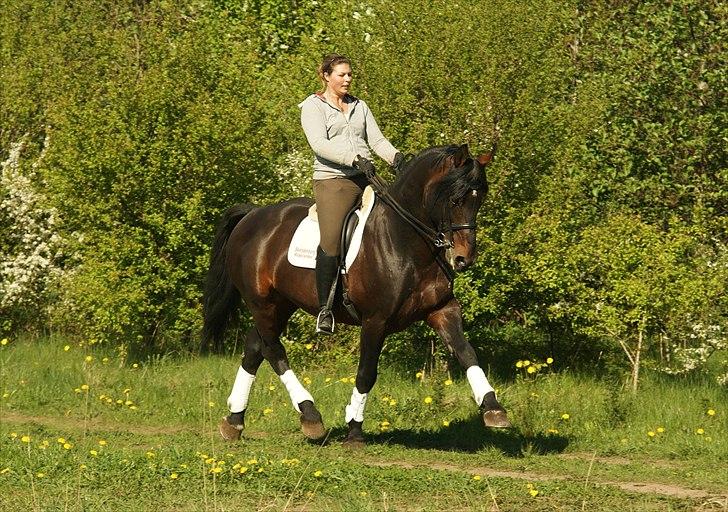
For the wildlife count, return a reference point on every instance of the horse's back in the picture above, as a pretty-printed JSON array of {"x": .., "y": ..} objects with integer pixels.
[{"x": 258, "y": 246}]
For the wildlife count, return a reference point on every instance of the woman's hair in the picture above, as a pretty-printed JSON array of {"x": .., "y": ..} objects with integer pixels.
[{"x": 327, "y": 66}]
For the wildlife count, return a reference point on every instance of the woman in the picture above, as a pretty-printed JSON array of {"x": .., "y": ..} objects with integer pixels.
[{"x": 340, "y": 128}]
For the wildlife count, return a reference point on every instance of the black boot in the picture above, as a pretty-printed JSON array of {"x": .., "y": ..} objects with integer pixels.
[{"x": 327, "y": 268}]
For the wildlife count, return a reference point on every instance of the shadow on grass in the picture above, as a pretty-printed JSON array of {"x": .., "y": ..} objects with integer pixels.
[{"x": 467, "y": 436}]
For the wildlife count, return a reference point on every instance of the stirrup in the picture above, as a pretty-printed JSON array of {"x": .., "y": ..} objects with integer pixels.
[{"x": 325, "y": 322}]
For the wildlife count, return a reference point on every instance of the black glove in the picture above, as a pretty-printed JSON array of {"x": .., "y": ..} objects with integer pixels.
[
  {"x": 398, "y": 162},
  {"x": 366, "y": 166}
]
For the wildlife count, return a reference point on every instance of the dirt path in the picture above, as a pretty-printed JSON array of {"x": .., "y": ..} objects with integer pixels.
[
  {"x": 712, "y": 500},
  {"x": 641, "y": 487}
]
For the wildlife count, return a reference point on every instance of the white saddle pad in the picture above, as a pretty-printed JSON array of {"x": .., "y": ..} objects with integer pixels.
[{"x": 302, "y": 251}]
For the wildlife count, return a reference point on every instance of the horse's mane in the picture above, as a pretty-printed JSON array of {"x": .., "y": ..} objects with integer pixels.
[{"x": 455, "y": 185}]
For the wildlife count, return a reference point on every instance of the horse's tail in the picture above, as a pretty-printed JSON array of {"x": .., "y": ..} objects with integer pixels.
[{"x": 221, "y": 299}]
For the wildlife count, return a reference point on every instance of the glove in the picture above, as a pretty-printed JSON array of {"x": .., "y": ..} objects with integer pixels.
[
  {"x": 398, "y": 162},
  {"x": 366, "y": 166}
]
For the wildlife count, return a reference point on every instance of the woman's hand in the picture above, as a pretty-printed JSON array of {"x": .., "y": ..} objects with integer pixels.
[{"x": 365, "y": 165}]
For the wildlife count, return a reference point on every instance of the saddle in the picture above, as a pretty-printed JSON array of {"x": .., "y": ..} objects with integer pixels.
[{"x": 302, "y": 250}]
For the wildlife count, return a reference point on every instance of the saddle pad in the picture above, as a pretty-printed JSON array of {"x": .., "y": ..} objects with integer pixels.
[{"x": 302, "y": 251}]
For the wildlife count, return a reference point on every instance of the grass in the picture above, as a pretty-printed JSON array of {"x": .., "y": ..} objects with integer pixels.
[{"x": 84, "y": 428}]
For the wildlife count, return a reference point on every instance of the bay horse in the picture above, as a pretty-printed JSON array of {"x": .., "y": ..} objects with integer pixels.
[{"x": 400, "y": 276}]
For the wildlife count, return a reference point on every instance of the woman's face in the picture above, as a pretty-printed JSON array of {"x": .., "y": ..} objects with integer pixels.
[{"x": 339, "y": 80}]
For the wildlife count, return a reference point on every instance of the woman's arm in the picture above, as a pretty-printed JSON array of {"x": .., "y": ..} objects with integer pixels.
[
  {"x": 313, "y": 122},
  {"x": 377, "y": 141}
]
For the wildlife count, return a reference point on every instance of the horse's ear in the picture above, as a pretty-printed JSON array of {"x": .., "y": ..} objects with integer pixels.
[{"x": 461, "y": 154}]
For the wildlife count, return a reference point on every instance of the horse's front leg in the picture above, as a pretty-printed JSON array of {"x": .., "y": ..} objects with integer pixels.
[
  {"x": 448, "y": 323},
  {"x": 370, "y": 347}
]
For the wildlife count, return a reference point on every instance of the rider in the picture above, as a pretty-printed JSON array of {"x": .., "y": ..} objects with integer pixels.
[{"x": 339, "y": 128}]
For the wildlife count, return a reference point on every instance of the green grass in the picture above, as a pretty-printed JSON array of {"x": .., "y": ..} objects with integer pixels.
[{"x": 159, "y": 419}]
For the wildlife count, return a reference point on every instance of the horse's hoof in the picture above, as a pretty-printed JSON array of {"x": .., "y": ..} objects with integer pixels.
[
  {"x": 230, "y": 432},
  {"x": 313, "y": 430},
  {"x": 496, "y": 418}
]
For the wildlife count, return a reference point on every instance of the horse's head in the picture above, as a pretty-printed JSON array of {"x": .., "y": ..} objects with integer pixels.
[{"x": 451, "y": 185}]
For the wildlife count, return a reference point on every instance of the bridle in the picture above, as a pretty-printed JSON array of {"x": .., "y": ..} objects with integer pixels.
[{"x": 437, "y": 237}]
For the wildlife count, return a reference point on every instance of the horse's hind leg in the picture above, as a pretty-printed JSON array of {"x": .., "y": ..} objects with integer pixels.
[
  {"x": 232, "y": 426},
  {"x": 271, "y": 322}
]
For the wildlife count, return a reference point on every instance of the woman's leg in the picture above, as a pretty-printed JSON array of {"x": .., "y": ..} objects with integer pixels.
[{"x": 334, "y": 199}]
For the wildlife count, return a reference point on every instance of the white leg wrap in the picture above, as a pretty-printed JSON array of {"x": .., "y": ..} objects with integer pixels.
[
  {"x": 355, "y": 409},
  {"x": 479, "y": 383},
  {"x": 295, "y": 389},
  {"x": 238, "y": 399}
]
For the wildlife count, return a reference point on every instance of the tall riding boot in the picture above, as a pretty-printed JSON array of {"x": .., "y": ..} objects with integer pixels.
[{"x": 326, "y": 269}]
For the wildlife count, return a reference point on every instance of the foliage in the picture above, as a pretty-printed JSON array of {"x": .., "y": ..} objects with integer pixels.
[{"x": 604, "y": 232}]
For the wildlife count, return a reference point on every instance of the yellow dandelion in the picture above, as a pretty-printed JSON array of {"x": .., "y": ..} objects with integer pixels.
[
  {"x": 318, "y": 473},
  {"x": 428, "y": 399},
  {"x": 67, "y": 348},
  {"x": 133, "y": 407},
  {"x": 135, "y": 365},
  {"x": 84, "y": 387},
  {"x": 445, "y": 423},
  {"x": 533, "y": 492},
  {"x": 150, "y": 455},
  {"x": 519, "y": 364},
  {"x": 77, "y": 390},
  {"x": 105, "y": 360},
  {"x": 94, "y": 453},
  {"x": 243, "y": 470},
  {"x": 67, "y": 446},
  {"x": 419, "y": 375},
  {"x": 393, "y": 402},
  {"x": 174, "y": 476},
  {"x": 476, "y": 477},
  {"x": 362, "y": 493},
  {"x": 120, "y": 401},
  {"x": 267, "y": 411},
  {"x": 327, "y": 380},
  {"x": 660, "y": 430},
  {"x": 13, "y": 435},
  {"x": 4, "y": 342},
  {"x": 531, "y": 369},
  {"x": 352, "y": 380},
  {"x": 526, "y": 362},
  {"x": 309, "y": 346},
  {"x": 82, "y": 467},
  {"x": 102, "y": 442},
  {"x": 216, "y": 470},
  {"x": 183, "y": 466},
  {"x": 126, "y": 391},
  {"x": 61, "y": 440},
  {"x": 88, "y": 359},
  {"x": 252, "y": 461},
  {"x": 5, "y": 395},
  {"x": 210, "y": 404},
  {"x": 260, "y": 470},
  {"x": 448, "y": 382},
  {"x": 651, "y": 433},
  {"x": 549, "y": 360},
  {"x": 552, "y": 431},
  {"x": 344, "y": 379},
  {"x": 565, "y": 416},
  {"x": 307, "y": 380},
  {"x": 271, "y": 388},
  {"x": 40, "y": 474},
  {"x": 45, "y": 443},
  {"x": 25, "y": 439},
  {"x": 209, "y": 460},
  {"x": 711, "y": 412},
  {"x": 700, "y": 431},
  {"x": 5, "y": 470}
]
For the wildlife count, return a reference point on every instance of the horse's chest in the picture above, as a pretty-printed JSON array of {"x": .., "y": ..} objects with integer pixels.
[{"x": 422, "y": 297}]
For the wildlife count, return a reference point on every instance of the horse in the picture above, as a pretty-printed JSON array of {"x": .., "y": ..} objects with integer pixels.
[{"x": 400, "y": 276}]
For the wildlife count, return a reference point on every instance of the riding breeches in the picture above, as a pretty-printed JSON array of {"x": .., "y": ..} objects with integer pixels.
[{"x": 335, "y": 197}]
